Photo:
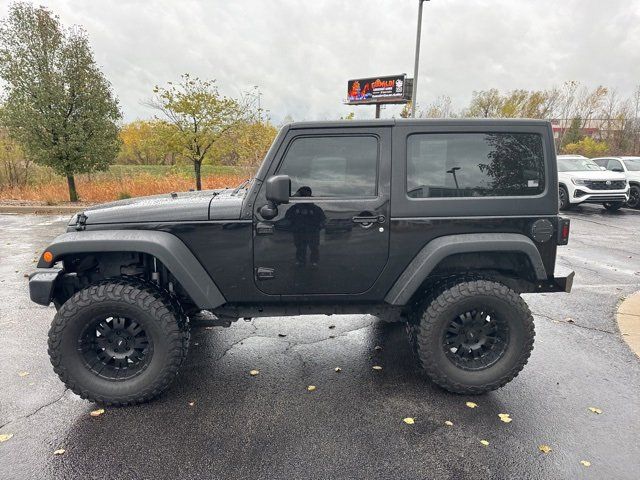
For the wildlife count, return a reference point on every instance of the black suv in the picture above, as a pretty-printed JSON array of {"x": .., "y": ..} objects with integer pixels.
[{"x": 439, "y": 224}]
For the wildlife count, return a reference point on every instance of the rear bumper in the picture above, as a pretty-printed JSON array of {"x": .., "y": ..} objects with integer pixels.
[
  {"x": 42, "y": 283},
  {"x": 562, "y": 282}
]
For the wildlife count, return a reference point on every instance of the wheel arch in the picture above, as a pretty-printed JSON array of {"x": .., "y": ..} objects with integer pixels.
[
  {"x": 447, "y": 251},
  {"x": 165, "y": 247}
]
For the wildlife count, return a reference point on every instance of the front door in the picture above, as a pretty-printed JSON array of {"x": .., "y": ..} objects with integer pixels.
[{"x": 333, "y": 236}]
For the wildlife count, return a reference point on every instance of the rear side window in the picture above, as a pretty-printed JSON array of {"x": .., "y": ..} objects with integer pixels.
[
  {"x": 474, "y": 165},
  {"x": 344, "y": 166}
]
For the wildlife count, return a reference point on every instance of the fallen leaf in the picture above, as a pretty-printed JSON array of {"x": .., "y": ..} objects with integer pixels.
[
  {"x": 544, "y": 448},
  {"x": 332, "y": 336},
  {"x": 23, "y": 374},
  {"x": 484, "y": 442},
  {"x": 569, "y": 320},
  {"x": 409, "y": 421},
  {"x": 505, "y": 417},
  {"x": 595, "y": 410},
  {"x": 311, "y": 388},
  {"x": 331, "y": 327},
  {"x": 377, "y": 367},
  {"x": 448, "y": 423},
  {"x": 191, "y": 404},
  {"x": 97, "y": 413},
  {"x": 5, "y": 436},
  {"x": 253, "y": 373},
  {"x": 60, "y": 451},
  {"x": 377, "y": 348},
  {"x": 282, "y": 334},
  {"x": 585, "y": 463},
  {"x": 338, "y": 369},
  {"x": 26, "y": 275},
  {"x": 471, "y": 405}
]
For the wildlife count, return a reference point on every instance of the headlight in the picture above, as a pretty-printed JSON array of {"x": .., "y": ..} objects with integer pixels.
[{"x": 577, "y": 181}]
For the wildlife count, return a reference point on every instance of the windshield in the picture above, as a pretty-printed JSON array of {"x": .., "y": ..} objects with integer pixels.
[
  {"x": 576, "y": 165},
  {"x": 633, "y": 164}
]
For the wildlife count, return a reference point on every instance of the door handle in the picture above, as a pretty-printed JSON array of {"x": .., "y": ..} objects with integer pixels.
[{"x": 368, "y": 219}]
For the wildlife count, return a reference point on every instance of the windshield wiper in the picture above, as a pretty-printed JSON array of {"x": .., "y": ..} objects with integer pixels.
[{"x": 243, "y": 185}]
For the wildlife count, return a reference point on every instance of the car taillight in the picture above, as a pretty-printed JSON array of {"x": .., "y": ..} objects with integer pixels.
[{"x": 563, "y": 230}]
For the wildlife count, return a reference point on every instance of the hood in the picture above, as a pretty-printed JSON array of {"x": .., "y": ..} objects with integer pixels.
[
  {"x": 173, "y": 207},
  {"x": 595, "y": 175}
]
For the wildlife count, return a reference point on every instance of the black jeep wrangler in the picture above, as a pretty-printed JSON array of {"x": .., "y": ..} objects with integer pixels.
[{"x": 439, "y": 224}]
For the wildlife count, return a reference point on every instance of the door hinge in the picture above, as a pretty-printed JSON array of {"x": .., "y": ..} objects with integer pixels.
[{"x": 265, "y": 273}]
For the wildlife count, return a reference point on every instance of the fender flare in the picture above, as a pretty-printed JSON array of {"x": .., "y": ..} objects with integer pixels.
[
  {"x": 167, "y": 248},
  {"x": 438, "y": 249}
]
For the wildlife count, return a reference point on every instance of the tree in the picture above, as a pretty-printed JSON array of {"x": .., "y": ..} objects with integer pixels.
[
  {"x": 199, "y": 117},
  {"x": 58, "y": 104},
  {"x": 246, "y": 145},
  {"x": 587, "y": 147},
  {"x": 147, "y": 142},
  {"x": 574, "y": 132}
]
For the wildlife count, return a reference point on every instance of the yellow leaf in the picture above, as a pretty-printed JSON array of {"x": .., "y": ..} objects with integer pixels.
[
  {"x": 448, "y": 423},
  {"x": 409, "y": 421},
  {"x": 544, "y": 448},
  {"x": 253, "y": 373},
  {"x": 97, "y": 413},
  {"x": 585, "y": 463},
  {"x": 5, "y": 436},
  {"x": 60, "y": 451},
  {"x": 338, "y": 369},
  {"x": 23, "y": 374},
  {"x": 311, "y": 388},
  {"x": 595, "y": 410},
  {"x": 484, "y": 442},
  {"x": 471, "y": 405},
  {"x": 505, "y": 417},
  {"x": 377, "y": 367}
]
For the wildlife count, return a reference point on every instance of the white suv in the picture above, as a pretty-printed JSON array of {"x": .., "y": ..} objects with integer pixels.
[
  {"x": 630, "y": 166},
  {"x": 584, "y": 181}
]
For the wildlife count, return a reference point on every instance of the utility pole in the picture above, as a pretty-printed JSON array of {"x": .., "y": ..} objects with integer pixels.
[{"x": 414, "y": 92}]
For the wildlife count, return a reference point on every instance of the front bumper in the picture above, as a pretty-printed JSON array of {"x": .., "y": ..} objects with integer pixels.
[
  {"x": 585, "y": 195},
  {"x": 42, "y": 283},
  {"x": 562, "y": 281}
]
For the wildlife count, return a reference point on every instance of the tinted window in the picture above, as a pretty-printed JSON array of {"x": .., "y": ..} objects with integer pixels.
[
  {"x": 474, "y": 164},
  {"x": 332, "y": 166}
]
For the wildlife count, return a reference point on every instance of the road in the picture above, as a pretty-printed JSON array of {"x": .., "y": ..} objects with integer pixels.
[{"x": 269, "y": 426}]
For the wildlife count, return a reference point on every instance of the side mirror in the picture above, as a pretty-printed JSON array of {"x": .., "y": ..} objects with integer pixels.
[{"x": 278, "y": 189}]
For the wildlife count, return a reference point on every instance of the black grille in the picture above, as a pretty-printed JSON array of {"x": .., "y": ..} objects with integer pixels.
[{"x": 603, "y": 185}]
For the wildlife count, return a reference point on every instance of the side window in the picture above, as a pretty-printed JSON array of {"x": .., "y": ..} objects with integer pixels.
[
  {"x": 474, "y": 165},
  {"x": 340, "y": 166},
  {"x": 615, "y": 165},
  {"x": 601, "y": 162}
]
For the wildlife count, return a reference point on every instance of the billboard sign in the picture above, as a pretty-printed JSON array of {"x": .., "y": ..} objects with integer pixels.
[{"x": 390, "y": 89}]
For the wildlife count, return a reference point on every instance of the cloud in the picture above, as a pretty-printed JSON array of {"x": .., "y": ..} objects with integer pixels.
[{"x": 301, "y": 54}]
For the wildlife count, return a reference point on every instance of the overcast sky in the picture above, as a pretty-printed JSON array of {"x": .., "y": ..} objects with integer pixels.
[{"x": 301, "y": 53}]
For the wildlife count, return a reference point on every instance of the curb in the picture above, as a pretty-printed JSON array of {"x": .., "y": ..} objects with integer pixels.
[
  {"x": 628, "y": 318},
  {"x": 41, "y": 209}
]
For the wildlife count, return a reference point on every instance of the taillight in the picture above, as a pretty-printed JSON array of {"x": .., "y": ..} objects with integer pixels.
[{"x": 563, "y": 230}]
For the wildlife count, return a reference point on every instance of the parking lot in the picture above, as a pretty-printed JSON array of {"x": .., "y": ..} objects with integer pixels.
[{"x": 217, "y": 421}]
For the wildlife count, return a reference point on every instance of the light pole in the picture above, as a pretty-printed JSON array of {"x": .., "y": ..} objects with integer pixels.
[{"x": 414, "y": 91}]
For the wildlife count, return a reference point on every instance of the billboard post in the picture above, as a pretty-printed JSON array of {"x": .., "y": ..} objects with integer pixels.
[{"x": 414, "y": 92}]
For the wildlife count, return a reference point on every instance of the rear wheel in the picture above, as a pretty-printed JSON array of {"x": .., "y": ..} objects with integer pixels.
[
  {"x": 612, "y": 206},
  {"x": 634, "y": 197},
  {"x": 563, "y": 198},
  {"x": 474, "y": 336},
  {"x": 119, "y": 342}
]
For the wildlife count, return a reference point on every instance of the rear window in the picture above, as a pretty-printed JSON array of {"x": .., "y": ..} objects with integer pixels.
[{"x": 474, "y": 165}]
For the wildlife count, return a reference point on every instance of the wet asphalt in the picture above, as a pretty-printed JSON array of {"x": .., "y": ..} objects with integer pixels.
[{"x": 269, "y": 426}]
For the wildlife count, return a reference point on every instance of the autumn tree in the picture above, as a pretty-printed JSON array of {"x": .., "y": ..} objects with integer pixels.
[
  {"x": 588, "y": 147},
  {"x": 200, "y": 117},
  {"x": 147, "y": 142},
  {"x": 244, "y": 146},
  {"x": 57, "y": 103}
]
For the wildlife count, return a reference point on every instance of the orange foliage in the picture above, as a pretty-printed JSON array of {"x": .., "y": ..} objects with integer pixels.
[{"x": 107, "y": 190}]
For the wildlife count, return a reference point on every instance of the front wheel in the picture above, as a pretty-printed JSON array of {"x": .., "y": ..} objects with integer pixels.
[
  {"x": 119, "y": 342},
  {"x": 563, "y": 199},
  {"x": 612, "y": 206},
  {"x": 634, "y": 197},
  {"x": 474, "y": 336}
]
